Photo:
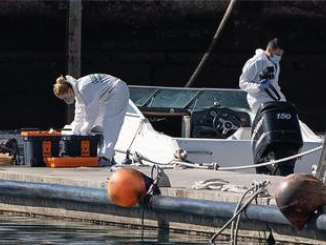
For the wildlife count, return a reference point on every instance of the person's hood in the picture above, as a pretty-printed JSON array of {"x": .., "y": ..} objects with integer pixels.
[
  {"x": 72, "y": 81},
  {"x": 260, "y": 53},
  {"x": 74, "y": 84}
]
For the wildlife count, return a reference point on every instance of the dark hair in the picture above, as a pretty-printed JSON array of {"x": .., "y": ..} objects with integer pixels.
[{"x": 275, "y": 43}]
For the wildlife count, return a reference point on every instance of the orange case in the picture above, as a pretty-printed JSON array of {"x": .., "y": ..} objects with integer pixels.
[
  {"x": 46, "y": 148},
  {"x": 40, "y": 133},
  {"x": 84, "y": 148},
  {"x": 68, "y": 162}
]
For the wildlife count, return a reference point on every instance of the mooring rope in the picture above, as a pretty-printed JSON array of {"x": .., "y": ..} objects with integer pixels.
[
  {"x": 272, "y": 162},
  {"x": 219, "y": 184},
  {"x": 216, "y": 167},
  {"x": 235, "y": 224},
  {"x": 139, "y": 158},
  {"x": 156, "y": 174},
  {"x": 259, "y": 190}
]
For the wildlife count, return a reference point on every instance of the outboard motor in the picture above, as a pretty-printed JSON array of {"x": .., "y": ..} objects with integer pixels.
[{"x": 276, "y": 134}]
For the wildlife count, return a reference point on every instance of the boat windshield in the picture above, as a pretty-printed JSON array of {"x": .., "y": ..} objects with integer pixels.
[
  {"x": 187, "y": 98},
  {"x": 227, "y": 98}
]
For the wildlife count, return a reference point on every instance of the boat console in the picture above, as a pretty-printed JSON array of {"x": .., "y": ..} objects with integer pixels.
[
  {"x": 193, "y": 112},
  {"x": 218, "y": 122}
]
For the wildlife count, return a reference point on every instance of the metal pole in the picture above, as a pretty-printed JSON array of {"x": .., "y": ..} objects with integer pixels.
[
  {"x": 321, "y": 168},
  {"x": 74, "y": 45}
]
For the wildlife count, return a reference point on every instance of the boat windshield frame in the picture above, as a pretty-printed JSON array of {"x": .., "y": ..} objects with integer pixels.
[{"x": 187, "y": 98}]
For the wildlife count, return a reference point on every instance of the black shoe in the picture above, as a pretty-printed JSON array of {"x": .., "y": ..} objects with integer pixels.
[{"x": 104, "y": 162}]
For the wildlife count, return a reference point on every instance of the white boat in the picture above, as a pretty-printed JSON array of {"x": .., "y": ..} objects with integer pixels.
[{"x": 167, "y": 125}]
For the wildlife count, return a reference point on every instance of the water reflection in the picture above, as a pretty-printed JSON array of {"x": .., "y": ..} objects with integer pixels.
[{"x": 36, "y": 231}]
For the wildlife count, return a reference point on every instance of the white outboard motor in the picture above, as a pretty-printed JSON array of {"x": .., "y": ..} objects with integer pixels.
[{"x": 276, "y": 134}]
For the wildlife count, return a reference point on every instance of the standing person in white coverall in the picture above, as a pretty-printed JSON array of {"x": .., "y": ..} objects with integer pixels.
[
  {"x": 260, "y": 73},
  {"x": 101, "y": 103}
]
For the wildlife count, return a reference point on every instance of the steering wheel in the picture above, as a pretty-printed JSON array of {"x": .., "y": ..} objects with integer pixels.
[{"x": 225, "y": 122}]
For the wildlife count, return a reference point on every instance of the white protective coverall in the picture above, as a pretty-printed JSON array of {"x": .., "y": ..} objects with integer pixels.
[
  {"x": 249, "y": 80},
  {"x": 101, "y": 101}
]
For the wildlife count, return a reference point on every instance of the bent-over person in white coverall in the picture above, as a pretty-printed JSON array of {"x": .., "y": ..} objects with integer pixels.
[
  {"x": 260, "y": 73},
  {"x": 101, "y": 104}
]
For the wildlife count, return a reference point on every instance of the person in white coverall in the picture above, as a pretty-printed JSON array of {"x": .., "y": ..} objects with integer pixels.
[
  {"x": 101, "y": 105},
  {"x": 260, "y": 73}
]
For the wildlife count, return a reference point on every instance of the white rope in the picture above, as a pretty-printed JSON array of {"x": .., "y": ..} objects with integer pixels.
[
  {"x": 219, "y": 184},
  {"x": 235, "y": 223},
  {"x": 244, "y": 206},
  {"x": 191, "y": 165},
  {"x": 272, "y": 162},
  {"x": 139, "y": 159}
]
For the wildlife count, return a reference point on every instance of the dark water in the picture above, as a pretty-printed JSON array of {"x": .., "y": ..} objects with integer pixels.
[{"x": 36, "y": 231}]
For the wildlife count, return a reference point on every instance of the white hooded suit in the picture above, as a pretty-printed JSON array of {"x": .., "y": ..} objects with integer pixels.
[
  {"x": 249, "y": 80},
  {"x": 101, "y": 102}
]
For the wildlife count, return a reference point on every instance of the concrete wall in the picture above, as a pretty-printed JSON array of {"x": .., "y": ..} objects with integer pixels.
[{"x": 156, "y": 43}]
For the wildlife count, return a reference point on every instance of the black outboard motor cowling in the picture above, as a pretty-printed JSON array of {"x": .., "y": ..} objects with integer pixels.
[{"x": 276, "y": 134}]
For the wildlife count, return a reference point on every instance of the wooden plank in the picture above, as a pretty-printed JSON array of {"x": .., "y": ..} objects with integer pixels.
[
  {"x": 74, "y": 45},
  {"x": 6, "y": 160}
]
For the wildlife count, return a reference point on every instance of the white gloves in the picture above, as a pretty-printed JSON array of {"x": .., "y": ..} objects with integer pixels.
[
  {"x": 85, "y": 128},
  {"x": 80, "y": 128},
  {"x": 75, "y": 128}
]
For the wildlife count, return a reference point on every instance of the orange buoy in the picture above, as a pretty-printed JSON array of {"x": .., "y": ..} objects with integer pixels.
[{"x": 127, "y": 187}]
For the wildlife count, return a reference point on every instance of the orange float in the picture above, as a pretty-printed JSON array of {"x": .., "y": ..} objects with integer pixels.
[{"x": 127, "y": 187}]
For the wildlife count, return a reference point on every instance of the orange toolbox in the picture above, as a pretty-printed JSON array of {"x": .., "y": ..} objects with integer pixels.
[
  {"x": 38, "y": 145},
  {"x": 40, "y": 133},
  {"x": 69, "y": 162},
  {"x": 81, "y": 145},
  {"x": 52, "y": 149}
]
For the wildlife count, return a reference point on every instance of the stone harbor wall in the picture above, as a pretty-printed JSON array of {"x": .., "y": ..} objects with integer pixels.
[{"x": 156, "y": 43}]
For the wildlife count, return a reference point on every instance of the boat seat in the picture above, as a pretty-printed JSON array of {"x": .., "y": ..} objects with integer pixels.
[{"x": 242, "y": 133}]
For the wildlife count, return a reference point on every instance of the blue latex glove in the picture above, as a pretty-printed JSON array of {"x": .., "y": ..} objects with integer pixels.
[{"x": 263, "y": 84}]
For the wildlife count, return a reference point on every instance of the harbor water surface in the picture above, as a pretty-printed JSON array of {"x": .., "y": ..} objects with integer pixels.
[{"x": 23, "y": 230}]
